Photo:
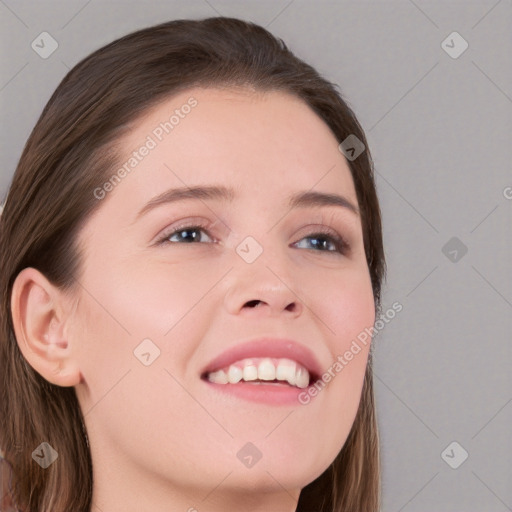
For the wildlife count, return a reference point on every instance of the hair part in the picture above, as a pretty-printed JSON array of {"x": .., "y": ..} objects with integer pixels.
[{"x": 72, "y": 150}]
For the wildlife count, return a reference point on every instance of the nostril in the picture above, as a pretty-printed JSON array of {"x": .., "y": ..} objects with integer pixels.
[
  {"x": 253, "y": 303},
  {"x": 291, "y": 307}
]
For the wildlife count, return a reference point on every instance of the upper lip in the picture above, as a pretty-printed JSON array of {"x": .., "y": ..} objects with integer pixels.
[{"x": 267, "y": 347}]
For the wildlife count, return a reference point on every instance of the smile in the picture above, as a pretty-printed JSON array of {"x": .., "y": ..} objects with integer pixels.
[{"x": 262, "y": 370}]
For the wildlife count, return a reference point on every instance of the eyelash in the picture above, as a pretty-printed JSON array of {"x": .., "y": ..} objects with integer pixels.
[{"x": 340, "y": 244}]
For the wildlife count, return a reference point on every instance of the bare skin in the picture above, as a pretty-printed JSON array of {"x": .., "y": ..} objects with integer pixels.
[{"x": 160, "y": 438}]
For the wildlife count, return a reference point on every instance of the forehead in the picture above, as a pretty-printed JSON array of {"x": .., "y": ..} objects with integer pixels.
[{"x": 263, "y": 144}]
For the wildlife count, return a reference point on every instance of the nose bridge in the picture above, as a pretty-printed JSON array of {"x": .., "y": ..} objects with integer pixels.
[{"x": 261, "y": 277}]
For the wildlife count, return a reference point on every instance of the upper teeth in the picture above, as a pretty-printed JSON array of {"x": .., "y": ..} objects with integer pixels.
[{"x": 262, "y": 369}]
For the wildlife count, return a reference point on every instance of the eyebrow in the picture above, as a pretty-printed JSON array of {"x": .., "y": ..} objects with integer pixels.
[{"x": 219, "y": 193}]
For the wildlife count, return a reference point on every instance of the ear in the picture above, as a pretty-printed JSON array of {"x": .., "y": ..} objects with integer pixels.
[{"x": 40, "y": 314}]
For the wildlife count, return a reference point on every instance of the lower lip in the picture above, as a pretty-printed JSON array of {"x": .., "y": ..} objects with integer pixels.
[{"x": 273, "y": 394}]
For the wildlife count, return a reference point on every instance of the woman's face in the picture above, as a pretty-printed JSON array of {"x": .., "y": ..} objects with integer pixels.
[{"x": 162, "y": 299}]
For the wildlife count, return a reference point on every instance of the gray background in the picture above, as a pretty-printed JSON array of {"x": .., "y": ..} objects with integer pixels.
[{"x": 439, "y": 132}]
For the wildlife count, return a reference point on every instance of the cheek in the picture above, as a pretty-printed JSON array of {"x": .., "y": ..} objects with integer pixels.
[
  {"x": 148, "y": 300},
  {"x": 344, "y": 303},
  {"x": 131, "y": 302}
]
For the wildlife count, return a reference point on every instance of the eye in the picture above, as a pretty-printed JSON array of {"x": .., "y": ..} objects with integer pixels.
[
  {"x": 322, "y": 241},
  {"x": 184, "y": 234},
  {"x": 325, "y": 242}
]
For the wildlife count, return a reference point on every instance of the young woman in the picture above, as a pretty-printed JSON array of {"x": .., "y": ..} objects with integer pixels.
[{"x": 191, "y": 261}]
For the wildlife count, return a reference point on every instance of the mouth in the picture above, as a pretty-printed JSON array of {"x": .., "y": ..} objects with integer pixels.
[{"x": 265, "y": 370}]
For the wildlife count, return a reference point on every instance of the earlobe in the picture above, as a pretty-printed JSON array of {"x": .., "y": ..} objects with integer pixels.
[{"x": 39, "y": 320}]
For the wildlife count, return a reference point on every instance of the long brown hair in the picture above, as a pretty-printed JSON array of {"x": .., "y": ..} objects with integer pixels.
[{"x": 71, "y": 152}]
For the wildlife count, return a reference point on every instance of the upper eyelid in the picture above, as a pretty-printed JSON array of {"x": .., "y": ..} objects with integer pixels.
[
  {"x": 335, "y": 218},
  {"x": 343, "y": 225},
  {"x": 207, "y": 226}
]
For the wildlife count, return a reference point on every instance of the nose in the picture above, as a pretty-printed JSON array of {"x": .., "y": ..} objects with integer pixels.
[{"x": 262, "y": 289}]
